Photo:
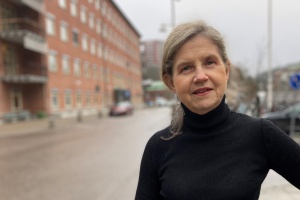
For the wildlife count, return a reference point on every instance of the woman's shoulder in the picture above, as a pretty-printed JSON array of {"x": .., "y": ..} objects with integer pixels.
[
  {"x": 243, "y": 118},
  {"x": 159, "y": 135},
  {"x": 158, "y": 141}
]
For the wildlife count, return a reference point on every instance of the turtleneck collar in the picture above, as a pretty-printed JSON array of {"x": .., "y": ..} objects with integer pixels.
[{"x": 208, "y": 120}]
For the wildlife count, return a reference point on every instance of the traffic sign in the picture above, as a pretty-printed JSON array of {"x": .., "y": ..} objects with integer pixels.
[{"x": 295, "y": 81}]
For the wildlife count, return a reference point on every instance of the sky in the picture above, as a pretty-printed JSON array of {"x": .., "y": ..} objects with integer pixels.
[{"x": 242, "y": 23}]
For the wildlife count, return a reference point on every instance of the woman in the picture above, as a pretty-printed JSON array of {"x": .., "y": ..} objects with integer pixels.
[{"x": 208, "y": 151}]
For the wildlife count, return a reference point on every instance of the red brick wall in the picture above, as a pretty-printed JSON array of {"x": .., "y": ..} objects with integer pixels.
[{"x": 61, "y": 81}]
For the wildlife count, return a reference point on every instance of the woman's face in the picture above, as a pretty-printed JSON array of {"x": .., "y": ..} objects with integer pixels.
[{"x": 199, "y": 75}]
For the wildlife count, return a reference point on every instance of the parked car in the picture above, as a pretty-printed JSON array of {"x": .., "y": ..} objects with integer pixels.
[
  {"x": 283, "y": 118},
  {"x": 121, "y": 108},
  {"x": 161, "y": 101}
]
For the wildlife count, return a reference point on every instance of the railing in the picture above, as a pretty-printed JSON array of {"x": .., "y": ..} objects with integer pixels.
[
  {"x": 29, "y": 69},
  {"x": 27, "y": 74},
  {"x": 21, "y": 24}
]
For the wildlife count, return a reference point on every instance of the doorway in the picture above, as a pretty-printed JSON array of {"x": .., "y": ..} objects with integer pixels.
[{"x": 16, "y": 100}]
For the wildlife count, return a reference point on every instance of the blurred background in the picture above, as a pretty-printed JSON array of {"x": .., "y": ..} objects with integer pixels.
[{"x": 80, "y": 87}]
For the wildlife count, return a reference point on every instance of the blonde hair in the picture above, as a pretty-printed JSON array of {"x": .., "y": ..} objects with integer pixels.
[{"x": 179, "y": 35}]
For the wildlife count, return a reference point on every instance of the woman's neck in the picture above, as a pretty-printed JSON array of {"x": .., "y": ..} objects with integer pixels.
[{"x": 208, "y": 120}]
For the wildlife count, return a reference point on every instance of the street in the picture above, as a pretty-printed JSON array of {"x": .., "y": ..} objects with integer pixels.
[
  {"x": 94, "y": 160},
  {"x": 97, "y": 159}
]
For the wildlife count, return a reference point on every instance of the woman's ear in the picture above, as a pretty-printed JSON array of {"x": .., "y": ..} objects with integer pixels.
[{"x": 168, "y": 80}]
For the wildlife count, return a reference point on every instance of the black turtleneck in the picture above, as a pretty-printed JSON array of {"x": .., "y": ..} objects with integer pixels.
[
  {"x": 207, "y": 121},
  {"x": 221, "y": 155}
]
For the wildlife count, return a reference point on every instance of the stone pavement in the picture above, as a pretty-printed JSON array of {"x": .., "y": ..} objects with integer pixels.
[
  {"x": 279, "y": 189},
  {"x": 276, "y": 187},
  {"x": 40, "y": 125}
]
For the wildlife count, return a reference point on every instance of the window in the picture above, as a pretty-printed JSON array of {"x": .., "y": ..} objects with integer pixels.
[
  {"x": 73, "y": 8},
  {"x": 84, "y": 43},
  {"x": 91, "y": 21},
  {"x": 108, "y": 14},
  {"x": 65, "y": 64},
  {"x": 105, "y": 53},
  {"x": 95, "y": 72},
  {"x": 96, "y": 99},
  {"x": 68, "y": 98},
  {"x": 54, "y": 98},
  {"x": 50, "y": 24},
  {"x": 88, "y": 99},
  {"x": 103, "y": 10},
  {"x": 7, "y": 12},
  {"x": 83, "y": 14},
  {"x": 64, "y": 31},
  {"x": 52, "y": 64},
  {"x": 107, "y": 75},
  {"x": 99, "y": 50},
  {"x": 78, "y": 99},
  {"x": 103, "y": 73},
  {"x": 75, "y": 37},
  {"x": 104, "y": 31},
  {"x": 93, "y": 47},
  {"x": 62, "y": 3},
  {"x": 98, "y": 26},
  {"x": 10, "y": 60},
  {"x": 86, "y": 70},
  {"x": 76, "y": 66},
  {"x": 97, "y": 4}
]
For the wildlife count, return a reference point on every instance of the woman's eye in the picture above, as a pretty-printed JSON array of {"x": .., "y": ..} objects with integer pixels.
[
  {"x": 186, "y": 68},
  {"x": 211, "y": 62}
]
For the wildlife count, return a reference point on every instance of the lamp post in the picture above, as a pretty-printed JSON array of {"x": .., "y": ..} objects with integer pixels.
[
  {"x": 163, "y": 27},
  {"x": 270, "y": 75},
  {"x": 173, "y": 17}
]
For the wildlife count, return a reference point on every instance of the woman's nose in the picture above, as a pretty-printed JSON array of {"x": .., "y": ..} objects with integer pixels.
[{"x": 200, "y": 75}]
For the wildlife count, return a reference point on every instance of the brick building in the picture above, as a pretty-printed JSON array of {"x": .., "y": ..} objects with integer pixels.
[
  {"x": 152, "y": 53},
  {"x": 66, "y": 56}
]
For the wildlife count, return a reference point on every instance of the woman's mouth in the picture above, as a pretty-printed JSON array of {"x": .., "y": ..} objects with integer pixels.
[{"x": 202, "y": 91}]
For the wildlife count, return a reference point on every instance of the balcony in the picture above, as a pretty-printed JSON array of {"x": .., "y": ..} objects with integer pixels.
[
  {"x": 26, "y": 74},
  {"x": 25, "y": 32},
  {"x": 37, "y": 5}
]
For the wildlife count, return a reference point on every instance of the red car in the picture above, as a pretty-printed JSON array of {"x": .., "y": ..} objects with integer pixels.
[{"x": 121, "y": 108}]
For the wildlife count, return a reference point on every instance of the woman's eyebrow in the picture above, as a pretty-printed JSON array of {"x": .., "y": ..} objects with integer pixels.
[
  {"x": 186, "y": 61},
  {"x": 181, "y": 63},
  {"x": 211, "y": 56}
]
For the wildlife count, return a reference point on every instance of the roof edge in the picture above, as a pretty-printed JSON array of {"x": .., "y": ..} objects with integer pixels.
[{"x": 126, "y": 18}]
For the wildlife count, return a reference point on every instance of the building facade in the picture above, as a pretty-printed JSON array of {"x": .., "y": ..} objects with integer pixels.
[
  {"x": 152, "y": 53},
  {"x": 66, "y": 57}
]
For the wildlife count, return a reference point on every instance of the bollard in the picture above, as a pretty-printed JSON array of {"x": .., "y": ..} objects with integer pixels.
[
  {"x": 51, "y": 122},
  {"x": 79, "y": 117},
  {"x": 100, "y": 114}
]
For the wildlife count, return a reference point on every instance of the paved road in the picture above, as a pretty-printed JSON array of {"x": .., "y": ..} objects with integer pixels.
[
  {"x": 97, "y": 159},
  {"x": 93, "y": 160}
]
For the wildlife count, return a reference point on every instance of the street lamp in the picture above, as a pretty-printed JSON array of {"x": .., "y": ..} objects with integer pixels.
[
  {"x": 173, "y": 16},
  {"x": 270, "y": 75},
  {"x": 164, "y": 26}
]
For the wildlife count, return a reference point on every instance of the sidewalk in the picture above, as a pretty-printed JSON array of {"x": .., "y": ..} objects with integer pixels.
[
  {"x": 276, "y": 187},
  {"x": 282, "y": 192},
  {"x": 40, "y": 125}
]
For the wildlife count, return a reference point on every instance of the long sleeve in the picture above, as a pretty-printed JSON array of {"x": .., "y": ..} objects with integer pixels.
[
  {"x": 148, "y": 184},
  {"x": 283, "y": 153}
]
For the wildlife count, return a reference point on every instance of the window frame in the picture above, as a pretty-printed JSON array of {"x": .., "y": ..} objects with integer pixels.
[
  {"x": 50, "y": 24},
  {"x": 63, "y": 30},
  {"x": 52, "y": 59}
]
